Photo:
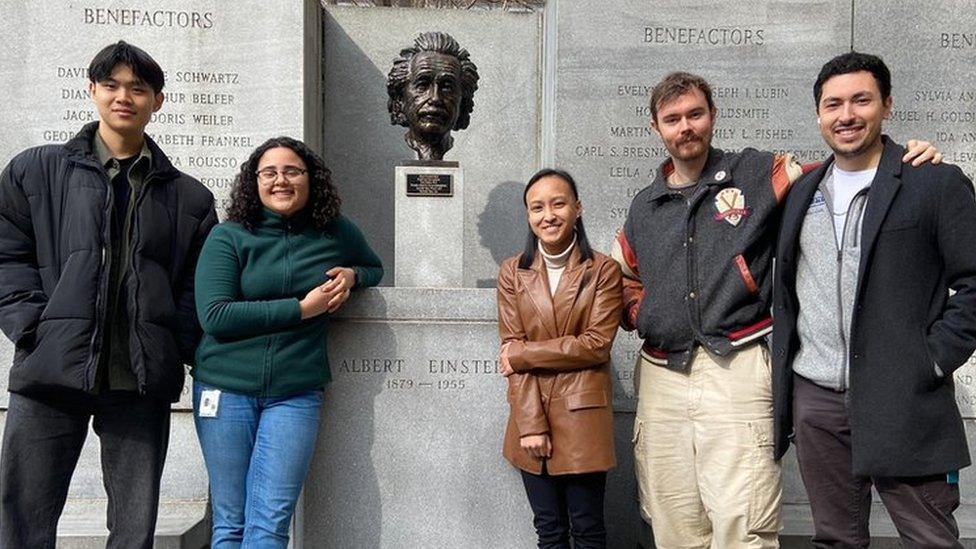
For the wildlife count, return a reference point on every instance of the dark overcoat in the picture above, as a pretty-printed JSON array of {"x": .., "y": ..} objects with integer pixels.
[{"x": 918, "y": 241}]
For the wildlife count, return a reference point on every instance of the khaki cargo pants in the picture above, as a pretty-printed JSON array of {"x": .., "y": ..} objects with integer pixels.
[{"x": 704, "y": 452}]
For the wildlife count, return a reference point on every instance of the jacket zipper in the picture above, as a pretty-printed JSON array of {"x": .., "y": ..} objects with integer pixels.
[
  {"x": 268, "y": 352},
  {"x": 285, "y": 286},
  {"x": 133, "y": 220},
  {"x": 840, "y": 289},
  {"x": 842, "y": 382},
  {"x": 94, "y": 353},
  {"x": 693, "y": 310}
]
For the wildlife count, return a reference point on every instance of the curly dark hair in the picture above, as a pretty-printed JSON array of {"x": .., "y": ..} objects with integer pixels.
[
  {"x": 437, "y": 42},
  {"x": 245, "y": 203}
]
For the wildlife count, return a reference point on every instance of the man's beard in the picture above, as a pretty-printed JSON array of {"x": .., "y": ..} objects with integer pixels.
[{"x": 697, "y": 143}]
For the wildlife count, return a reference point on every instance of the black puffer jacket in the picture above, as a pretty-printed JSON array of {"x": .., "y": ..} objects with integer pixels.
[{"x": 55, "y": 204}]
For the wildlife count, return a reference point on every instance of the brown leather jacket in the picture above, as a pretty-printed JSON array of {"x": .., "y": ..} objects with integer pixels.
[{"x": 561, "y": 355}]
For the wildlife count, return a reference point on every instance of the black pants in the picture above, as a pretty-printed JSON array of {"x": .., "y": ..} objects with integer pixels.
[
  {"x": 42, "y": 440},
  {"x": 567, "y": 505},
  {"x": 920, "y": 507}
]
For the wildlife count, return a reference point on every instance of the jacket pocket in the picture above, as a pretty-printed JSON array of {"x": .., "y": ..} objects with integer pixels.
[
  {"x": 75, "y": 288},
  {"x": 586, "y": 399},
  {"x": 742, "y": 267},
  {"x": 766, "y": 482},
  {"x": 899, "y": 223},
  {"x": 930, "y": 380}
]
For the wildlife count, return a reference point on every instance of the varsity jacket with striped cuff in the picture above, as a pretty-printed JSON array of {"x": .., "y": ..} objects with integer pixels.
[{"x": 698, "y": 267}]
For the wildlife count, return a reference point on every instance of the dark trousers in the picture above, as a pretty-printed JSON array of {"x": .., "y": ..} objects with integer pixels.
[
  {"x": 42, "y": 440},
  {"x": 567, "y": 505},
  {"x": 921, "y": 507}
]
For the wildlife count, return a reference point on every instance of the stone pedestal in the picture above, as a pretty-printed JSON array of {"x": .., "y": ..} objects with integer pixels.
[{"x": 429, "y": 217}]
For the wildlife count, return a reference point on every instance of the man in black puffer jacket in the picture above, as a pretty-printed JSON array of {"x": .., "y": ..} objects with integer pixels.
[{"x": 99, "y": 239}]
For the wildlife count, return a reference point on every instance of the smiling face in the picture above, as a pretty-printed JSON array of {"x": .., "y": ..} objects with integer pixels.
[
  {"x": 282, "y": 195},
  {"x": 552, "y": 210},
  {"x": 685, "y": 125},
  {"x": 432, "y": 97},
  {"x": 850, "y": 113},
  {"x": 125, "y": 102}
]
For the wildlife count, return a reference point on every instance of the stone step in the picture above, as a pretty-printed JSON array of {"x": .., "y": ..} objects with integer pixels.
[
  {"x": 181, "y": 525},
  {"x": 798, "y": 528}
]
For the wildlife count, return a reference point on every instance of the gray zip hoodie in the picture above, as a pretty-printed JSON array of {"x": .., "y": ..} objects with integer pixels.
[{"x": 826, "y": 282}]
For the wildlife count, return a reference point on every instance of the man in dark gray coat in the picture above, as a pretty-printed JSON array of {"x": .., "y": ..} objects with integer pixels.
[
  {"x": 99, "y": 239},
  {"x": 866, "y": 334}
]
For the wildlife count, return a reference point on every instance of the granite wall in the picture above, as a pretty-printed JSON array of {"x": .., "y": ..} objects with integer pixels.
[{"x": 409, "y": 452}]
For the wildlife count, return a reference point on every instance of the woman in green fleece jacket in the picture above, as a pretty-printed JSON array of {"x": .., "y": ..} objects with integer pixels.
[{"x": 266, "y": 281}]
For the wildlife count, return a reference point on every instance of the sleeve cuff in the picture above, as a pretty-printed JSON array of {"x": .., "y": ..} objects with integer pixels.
[{"x": 515, "y": 351}]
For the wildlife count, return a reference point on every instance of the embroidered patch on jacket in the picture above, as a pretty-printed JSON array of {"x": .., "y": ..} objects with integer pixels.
[{"x": 731, "y": 206}]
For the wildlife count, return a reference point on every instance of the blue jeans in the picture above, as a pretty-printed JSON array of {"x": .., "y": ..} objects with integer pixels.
[{"x": 257, "y": 452}]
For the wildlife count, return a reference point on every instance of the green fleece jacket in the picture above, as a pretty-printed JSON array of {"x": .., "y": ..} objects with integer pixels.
[{"x": 248, "y": 285}]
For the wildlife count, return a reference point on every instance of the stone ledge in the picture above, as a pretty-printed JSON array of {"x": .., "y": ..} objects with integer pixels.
[
  {"x": 421, "y": 304},
  {"x": 181, "y": 525}
]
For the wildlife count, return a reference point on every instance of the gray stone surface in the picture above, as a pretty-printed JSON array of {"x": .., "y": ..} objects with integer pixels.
[
  {"x": 499, "y": 151},
  {"x": 181, "y": 525},
  {"x": 409, "y": 450},
  {"x": 429, "y": 241},
  {"x": 932, "y": 57}
]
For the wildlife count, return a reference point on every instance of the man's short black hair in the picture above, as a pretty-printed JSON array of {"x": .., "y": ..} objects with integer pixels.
[
  {"x": 123, "y": 53},
  {"x": 854, "y": 62}
]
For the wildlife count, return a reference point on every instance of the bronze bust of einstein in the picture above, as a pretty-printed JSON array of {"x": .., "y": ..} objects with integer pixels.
[{"x": 431, "y": 92}]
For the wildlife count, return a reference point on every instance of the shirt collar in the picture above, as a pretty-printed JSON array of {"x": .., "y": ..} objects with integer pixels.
[
  {"x": 715, "y": 172},
  {"x": 105, "y": 156}
]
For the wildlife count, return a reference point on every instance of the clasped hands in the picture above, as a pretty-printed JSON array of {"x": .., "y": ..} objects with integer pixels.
[{"x": 328, "y": 297}]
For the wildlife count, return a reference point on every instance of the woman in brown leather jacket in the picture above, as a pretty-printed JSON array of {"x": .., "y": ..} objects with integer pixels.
[{"x": 559, "y": 305}]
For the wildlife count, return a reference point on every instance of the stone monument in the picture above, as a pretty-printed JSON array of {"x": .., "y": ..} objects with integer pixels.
[
  {"x": 431, "y": 88},
  {"x": 410, "y": 446}
]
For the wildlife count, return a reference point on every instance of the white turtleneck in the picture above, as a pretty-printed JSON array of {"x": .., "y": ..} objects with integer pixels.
[{"x": 556, "y": 264}]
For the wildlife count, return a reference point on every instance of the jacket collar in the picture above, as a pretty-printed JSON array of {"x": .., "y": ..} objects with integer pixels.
[
  {"x": 81, "y": 149},
  {"x": 882, "y": 193},
  {"x": 558, "y": 306},
  {"x": 715, "y": 173},
  {"x": 293, "y": 223}
]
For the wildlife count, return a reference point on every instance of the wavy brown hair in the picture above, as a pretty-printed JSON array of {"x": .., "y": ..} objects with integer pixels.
[{"x": 323, "y": 200}]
